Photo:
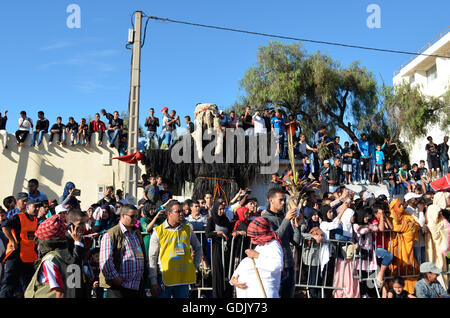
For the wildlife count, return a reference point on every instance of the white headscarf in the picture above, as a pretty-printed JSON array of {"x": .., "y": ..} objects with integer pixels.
[
  {"x": 96, "y": 212},
  {"x": 346, "y": 223}
]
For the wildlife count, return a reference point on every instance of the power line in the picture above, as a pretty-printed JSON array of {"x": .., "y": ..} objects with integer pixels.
[{"x": 293, "y": 38}]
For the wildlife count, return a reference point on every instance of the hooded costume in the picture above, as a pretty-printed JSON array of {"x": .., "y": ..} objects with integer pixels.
[
  {"x": 401, "y": 246},
  {"x": 437, "y": 239}
]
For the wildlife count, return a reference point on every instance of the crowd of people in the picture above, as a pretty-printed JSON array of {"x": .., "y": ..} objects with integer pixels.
[
  {"x": 73, "y": 133},
  {"x": 362, "y": 162},
  {"x": 162, "y": 248}
]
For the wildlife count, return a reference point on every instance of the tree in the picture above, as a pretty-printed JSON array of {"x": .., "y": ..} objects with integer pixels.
[
  {"x": 315, "y": 87},
  {"x": 405, "y": 114}
]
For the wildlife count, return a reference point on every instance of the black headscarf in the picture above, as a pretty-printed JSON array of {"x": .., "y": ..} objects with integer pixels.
[
  {"x": 146, "y": 210},
  {"x": 219, "y": 220},
  {"x": 311, "y": 224}
]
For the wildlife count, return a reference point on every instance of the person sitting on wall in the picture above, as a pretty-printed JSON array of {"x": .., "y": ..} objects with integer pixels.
[
  {"x": 115, "y": 127},
  {"x": 60, "y": 129},
  {"x": 96, "y": 126},
  {"x": 25, "y": 124}
]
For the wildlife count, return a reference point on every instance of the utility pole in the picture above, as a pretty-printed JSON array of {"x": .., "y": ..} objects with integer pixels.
[{"x": 131, "y": 175}]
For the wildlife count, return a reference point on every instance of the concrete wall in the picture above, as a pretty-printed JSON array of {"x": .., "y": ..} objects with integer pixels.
[
  {"x": 436, "y": 87},
  {"x": 87, "y": 167}
]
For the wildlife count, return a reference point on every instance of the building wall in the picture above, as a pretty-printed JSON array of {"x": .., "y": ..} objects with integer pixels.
[
  {"x": 53, "y": 166},
  {"x": 417, "y": 70}
]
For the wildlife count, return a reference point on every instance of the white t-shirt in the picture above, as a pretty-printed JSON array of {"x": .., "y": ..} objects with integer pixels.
[
  {"x": 269, "y": 264},
  {"x": 26, "y": 124},
  {"x": 259, "y": 125}
]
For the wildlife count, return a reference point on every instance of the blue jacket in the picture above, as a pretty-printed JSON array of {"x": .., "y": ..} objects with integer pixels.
[{"x": 364, "y": 147}]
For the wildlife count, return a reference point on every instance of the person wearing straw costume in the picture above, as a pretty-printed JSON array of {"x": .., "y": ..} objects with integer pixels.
[
  {"x": 259, "y": 274},
  {"x": 437, "y": 239}
]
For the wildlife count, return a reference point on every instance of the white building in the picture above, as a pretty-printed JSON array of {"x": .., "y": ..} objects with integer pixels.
[{"x": 433, "y": 76}]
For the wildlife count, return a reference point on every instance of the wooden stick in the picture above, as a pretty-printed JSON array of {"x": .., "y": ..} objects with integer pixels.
[{"x": 259, "y": 278}]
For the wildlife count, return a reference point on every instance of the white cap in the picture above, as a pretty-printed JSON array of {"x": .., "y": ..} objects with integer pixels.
[
  {"x": 326, "y": 161},
  {"x": 221, "y": 112},
  {"x": 411, "y": 195},
  {"x": 60, "y": 208}
]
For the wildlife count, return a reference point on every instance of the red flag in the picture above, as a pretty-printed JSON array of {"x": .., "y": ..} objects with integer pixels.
[
  {"x": 442, "y": 184},
  {"x": 131, "y": 158}
]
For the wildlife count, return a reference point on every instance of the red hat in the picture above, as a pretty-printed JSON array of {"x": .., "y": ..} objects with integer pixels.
[
  {"x": 53, "y": 227},
  {"x": 165, "y": 109}
]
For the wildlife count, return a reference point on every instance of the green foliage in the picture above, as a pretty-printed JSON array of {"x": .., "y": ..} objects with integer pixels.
[
  {"x": 315, "y": 87},
  {"x": 408, "y": 112}
]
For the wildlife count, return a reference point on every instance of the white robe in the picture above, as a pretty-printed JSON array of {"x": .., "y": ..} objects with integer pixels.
[{"x": 269, "y": 264}]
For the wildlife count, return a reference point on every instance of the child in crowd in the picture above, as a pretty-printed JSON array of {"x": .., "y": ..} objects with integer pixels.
[
  {"x": 92, "y": 271},
  {"x": 72, "y": 130},
  {"x": 379, "y": 161},
  {"x": 398, "y": 291},
  {"x": 82, "y": 132}
]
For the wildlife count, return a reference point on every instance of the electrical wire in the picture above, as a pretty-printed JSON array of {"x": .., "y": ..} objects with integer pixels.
[
  {"x": 145, "y": 31},
  {"x": 293, "y": 38}
]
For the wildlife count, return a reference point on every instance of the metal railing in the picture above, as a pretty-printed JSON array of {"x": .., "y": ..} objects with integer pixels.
[
  {"x": 423, "y": 49},
  {"x": 308, "y": 273}
]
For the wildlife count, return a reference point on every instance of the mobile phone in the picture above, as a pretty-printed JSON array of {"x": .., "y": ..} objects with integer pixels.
[
  {"x": 77, "y": 192},
  {"x": 70, "y": 227}
]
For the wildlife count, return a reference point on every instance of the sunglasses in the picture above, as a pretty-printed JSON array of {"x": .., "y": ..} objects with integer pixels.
[{"x": 135, "y": 216}]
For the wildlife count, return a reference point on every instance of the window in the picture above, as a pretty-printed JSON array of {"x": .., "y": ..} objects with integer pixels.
[
  {"x": 432, "y": 73},
  {"x": 411, "y": 79}
]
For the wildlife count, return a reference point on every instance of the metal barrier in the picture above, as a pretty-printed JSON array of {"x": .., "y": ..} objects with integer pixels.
[
  {"x": 206, "y": 246},
  {"x": 307, "y": 262},
  {"x": 309, "y": 276},
  {"x": 308, "y": 272},
  {"x": 236, "y": 259}
]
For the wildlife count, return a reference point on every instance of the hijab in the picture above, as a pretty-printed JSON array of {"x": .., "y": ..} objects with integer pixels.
[
  {"x": 396, "y": 210},
  {"x": 69, "y": 185},
  {"x": 146, "y": 210},
  {"x": 312, "y": 224},
  {"x": 346, "y": 222},
  {"x": 219, "y": 220},
  {"x": 241, "y": 219}
]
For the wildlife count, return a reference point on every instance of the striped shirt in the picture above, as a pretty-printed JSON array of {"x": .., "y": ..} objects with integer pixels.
[
  {"x": 132, "y": 265},
  {"x": 50, "y": 274}
]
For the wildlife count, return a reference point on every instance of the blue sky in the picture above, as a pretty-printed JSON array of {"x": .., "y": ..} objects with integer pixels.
[{"x": 75, "y": 72}]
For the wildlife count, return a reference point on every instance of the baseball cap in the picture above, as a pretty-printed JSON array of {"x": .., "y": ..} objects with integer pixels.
[
  {"x": 382, "y": 197},
  {"x": 164, "y": 109},
  {"x": 326, "y": 161},
  {"x": 221, "y": 112},
  {"x": 33, "y": 201},
  {"x": 429, "y": 267},
  {"x": 411, "y": 195},
  {"x": 60, "y": 208},
  {"x": 22, "y": 196}
]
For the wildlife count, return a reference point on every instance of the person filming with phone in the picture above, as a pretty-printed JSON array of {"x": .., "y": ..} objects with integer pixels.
[{"x": 69, "y": 196}]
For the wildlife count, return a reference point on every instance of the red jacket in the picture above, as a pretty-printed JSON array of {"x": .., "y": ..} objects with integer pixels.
[{"x": 97, "y": 126}]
